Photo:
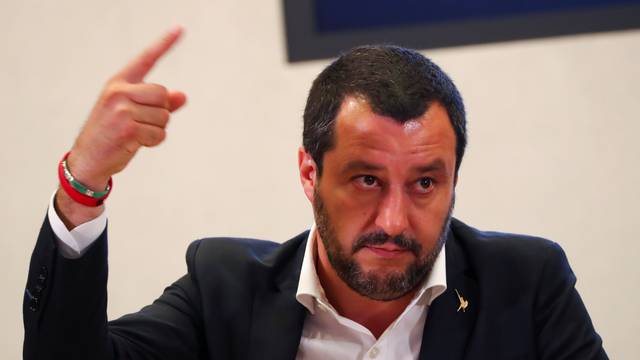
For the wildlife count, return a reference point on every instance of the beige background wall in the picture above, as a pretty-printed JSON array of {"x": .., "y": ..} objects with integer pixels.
[{"x": 553, "y": 149}]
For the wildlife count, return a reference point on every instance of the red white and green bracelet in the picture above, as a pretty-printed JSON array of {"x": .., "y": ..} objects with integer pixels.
[{"x": 79, "y": 192}]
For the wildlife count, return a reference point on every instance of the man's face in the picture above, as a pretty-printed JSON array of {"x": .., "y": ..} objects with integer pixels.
[{"x": 383, "y": 202}]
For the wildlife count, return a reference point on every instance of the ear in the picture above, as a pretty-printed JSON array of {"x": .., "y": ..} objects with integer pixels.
[{"x": 308, "y": 170}]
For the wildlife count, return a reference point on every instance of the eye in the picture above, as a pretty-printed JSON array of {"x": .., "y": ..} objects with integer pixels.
[
  {"x": 424, "y": 185},
  {"x": 367, "y": 181}
]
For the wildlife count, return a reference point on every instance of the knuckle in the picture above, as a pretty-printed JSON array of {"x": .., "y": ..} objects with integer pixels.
[
  {"x": 161, "y": 89},
  {"x": 113, "y": 94},
  {"x": 160, "y": 136},
  {"x": 154, "y": 137},
  {"x": 164, "y": 116},
  {"x": 127, "y": 131},
  {"x": 159, "y": 93},
  {"x": 122, "y": 111}
]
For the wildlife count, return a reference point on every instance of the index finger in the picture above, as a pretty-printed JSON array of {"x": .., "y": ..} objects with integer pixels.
[{"x": 138, "y": 68}]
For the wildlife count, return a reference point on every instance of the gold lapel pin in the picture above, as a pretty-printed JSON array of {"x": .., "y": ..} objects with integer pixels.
[{"x": 463, "y": 303}]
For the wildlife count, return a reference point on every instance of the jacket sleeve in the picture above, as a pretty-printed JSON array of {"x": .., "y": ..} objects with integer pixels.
[
  {"x": 65, "y": 313},
  {"x": 562, "y": 322}
]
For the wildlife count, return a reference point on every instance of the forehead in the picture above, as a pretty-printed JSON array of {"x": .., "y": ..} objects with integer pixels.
[{"x": 361, "y": 132}]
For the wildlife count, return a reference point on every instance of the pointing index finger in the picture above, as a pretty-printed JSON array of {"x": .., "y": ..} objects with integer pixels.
[{"x": 138, "y": 68}]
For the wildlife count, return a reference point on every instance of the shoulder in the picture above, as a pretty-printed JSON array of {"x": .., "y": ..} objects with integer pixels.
[
  {"x": 242, "y": 256},
  {"x": 525, "y": 292},
  {"x": 225, "y": 248},
  {"x": 495, "y": 256},
  {"x": 495, "y": 245}
]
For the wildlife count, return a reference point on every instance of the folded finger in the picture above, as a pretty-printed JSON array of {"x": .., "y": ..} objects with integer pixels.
[
  {"x": 151, "y": 115},
  {"x": 149, "y": 135},
  {"x": 148, "y": 94}
]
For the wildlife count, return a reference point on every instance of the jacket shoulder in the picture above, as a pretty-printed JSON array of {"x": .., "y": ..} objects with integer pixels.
[
  {"x": 501, "y": 245},
  {"x": 526, "y": 283},
  {"x": 510, "y": 260},
  {"x": 241, "y": 257}
]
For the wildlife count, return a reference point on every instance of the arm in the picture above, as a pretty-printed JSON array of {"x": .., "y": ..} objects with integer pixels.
[
  {"x": 128, "y": 114},
  {"x": 69, "y": 321},
  {"x": 563, "y": 325},
  {"x": 65, "y": 299}
]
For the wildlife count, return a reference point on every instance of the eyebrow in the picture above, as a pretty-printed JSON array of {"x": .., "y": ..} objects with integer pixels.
[
  {"x": 435, "y": 165},
  {"x": 361, "y": 165}
]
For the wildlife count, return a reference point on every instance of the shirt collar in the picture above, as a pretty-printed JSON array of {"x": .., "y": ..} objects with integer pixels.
[{"x": 310, "y": 290}]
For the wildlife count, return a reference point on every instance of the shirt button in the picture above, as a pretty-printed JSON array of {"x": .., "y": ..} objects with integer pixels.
[{"x": 373, "y": 353}]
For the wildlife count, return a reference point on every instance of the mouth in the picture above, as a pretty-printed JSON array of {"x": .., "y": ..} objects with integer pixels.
[{"x": 387, "y": 250}]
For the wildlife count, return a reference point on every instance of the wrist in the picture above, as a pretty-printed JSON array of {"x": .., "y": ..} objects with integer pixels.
[
  {"x": 71, "y": 212},
  {"x": 78, "y": 191},
  {"x": 86, "y": 174}
]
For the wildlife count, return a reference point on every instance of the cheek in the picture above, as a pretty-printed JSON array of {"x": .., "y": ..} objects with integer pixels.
[
  {"x": 351, "y": 220},
  {"x": 345, "y": 200},
  {"x": 428, "y": 218},
  {"x": 350, "y": 215}
]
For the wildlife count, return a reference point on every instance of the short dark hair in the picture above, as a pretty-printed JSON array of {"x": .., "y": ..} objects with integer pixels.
[{"x": 396, "y": 82}]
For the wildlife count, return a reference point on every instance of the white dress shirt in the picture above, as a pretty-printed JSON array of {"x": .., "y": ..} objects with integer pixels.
[{"x": 326, "y": 334}]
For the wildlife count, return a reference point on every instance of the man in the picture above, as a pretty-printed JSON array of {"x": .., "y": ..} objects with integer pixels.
[{"x": 385, "y": 272}]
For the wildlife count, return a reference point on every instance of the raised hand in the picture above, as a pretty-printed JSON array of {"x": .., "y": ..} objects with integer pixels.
[{"x": 128, "y": 114}]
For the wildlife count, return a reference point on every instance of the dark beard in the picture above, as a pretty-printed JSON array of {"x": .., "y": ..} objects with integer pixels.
[{"x": 369, "y": 284}]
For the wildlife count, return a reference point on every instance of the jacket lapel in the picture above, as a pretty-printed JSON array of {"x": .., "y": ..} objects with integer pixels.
[
  {"x": 277, "y": 316},
  {"x": 448, "y": 327}
]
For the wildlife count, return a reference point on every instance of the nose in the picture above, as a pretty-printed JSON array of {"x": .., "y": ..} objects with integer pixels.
[{"x": 392, "y": 212}]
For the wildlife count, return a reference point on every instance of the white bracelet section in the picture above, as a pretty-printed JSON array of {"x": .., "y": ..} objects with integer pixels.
[{"x": 73, "y": 244}]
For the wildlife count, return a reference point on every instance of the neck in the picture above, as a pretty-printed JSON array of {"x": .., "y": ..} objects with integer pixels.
[{"x": 375, "y": 315}]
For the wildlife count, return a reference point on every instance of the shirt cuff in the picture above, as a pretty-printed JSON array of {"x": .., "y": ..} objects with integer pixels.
[{"x": 73, "y": 244}]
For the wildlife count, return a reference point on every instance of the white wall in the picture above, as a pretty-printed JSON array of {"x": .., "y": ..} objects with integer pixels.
[{"x": 552, "y": 151}]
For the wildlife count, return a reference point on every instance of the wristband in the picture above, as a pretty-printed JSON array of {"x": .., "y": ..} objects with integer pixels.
[{"x": 79, "y": 192}]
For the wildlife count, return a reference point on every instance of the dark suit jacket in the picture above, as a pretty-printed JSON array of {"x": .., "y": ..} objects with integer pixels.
[{"x": 237, "y": 301}]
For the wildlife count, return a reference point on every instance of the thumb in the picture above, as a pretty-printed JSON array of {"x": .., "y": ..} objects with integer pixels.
[{"x": 176, "y": 100}]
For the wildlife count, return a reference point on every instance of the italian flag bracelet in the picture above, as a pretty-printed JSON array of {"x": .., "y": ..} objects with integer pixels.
[{"x": 77, "y": 191}]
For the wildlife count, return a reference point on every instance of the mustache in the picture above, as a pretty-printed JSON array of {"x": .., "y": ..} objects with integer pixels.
[{"x": 380, "y": 237}]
